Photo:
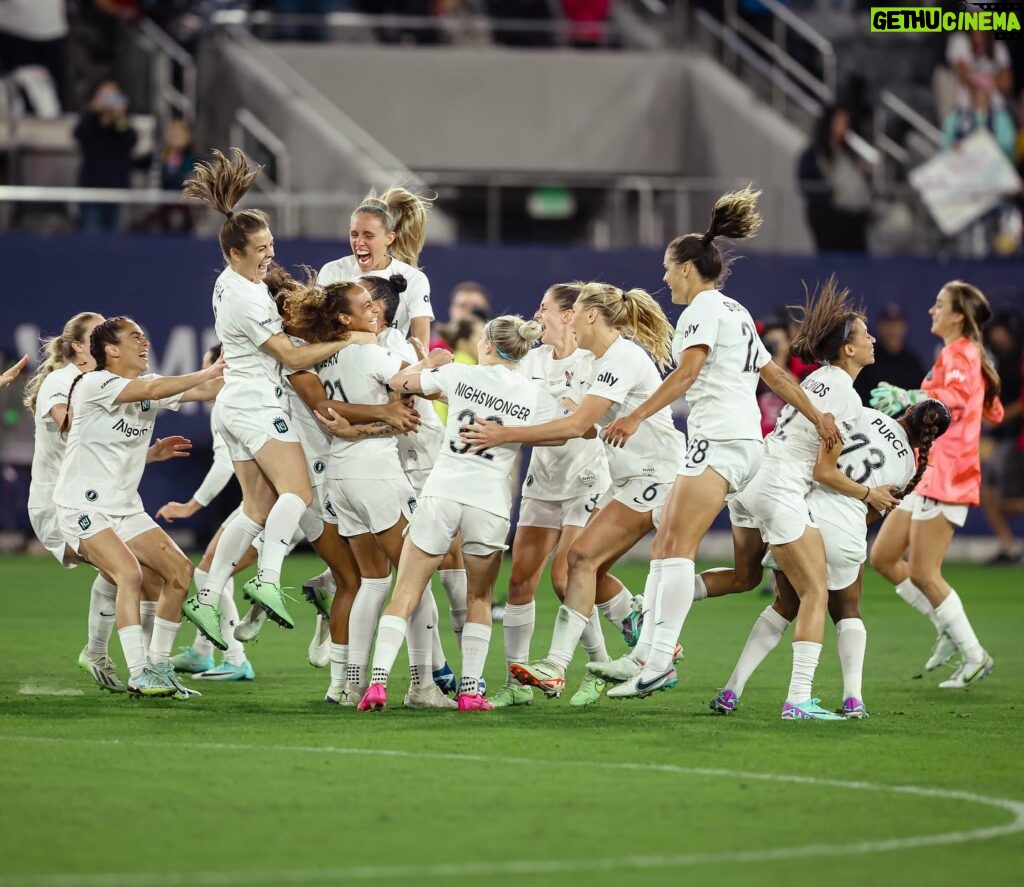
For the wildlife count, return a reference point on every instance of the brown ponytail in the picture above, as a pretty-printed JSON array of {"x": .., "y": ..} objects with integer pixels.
[
  {"x": 826, "y": 323},
  {"x": 313, "y": 311},
  {"x": 735, "y": 216},
  {"x": 969, "y": 301},
  {"x": 926, "y": 422}
]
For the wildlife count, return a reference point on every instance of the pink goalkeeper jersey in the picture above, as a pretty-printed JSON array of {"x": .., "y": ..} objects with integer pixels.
[{"x": 954, "y": 467}]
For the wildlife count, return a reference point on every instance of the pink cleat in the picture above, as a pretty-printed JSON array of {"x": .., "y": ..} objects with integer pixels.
[
  {"x": 474, "y": 702},
  {"x": 374, "y": 699}
]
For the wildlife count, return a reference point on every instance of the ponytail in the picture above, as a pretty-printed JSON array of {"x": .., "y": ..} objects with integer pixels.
[
  {"x": 826, "y": 323},
  {"x": 106, "y": 333},
  {"x": 404, "y": 214},
  {"x": 735, "y": 217},
  {"x": 57, "y": 352},
  {"x": 636, "y": 314},
  {"x": 926, "y": 421},
  {"x": 970, "y": 302}
]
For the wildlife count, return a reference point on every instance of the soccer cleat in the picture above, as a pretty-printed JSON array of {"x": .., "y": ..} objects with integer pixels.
[
  {"x": 227, "y": 671},
  {"x": 313, "y": 591},
  {"x": 589, "y": 692},
  {"x": 166, "y": 670},
  {"x": 969, "y": 673},
  {"x": 678, "y": 654},
  {"x": 251, "y": 624},
  {"x": 637, "y": 688},
  {"x": 544, "y": 675},
  {"x": 319, "y": 653},
  {"x": 102, "y": 670},
  {"x": 512, "y": 694},
  {"x": 724, "y": 703},
  {"x": 942, "y": 652},
  {"x": 269, "y": 596},
  {"x": 481, "y": 686},
  {"x": 334, "y": 694},
  {"x": 427, "y": 697},
  {"x": 616, "y": 670},
  {"x": 152, "y": 683},
  {"x": 853, "y": 709},
  {"x": 374, "y": 699},
  {"x": 634, "y": 622},
  {"x": 445, "y": 679},
  {"x": 474, "y": 702},
  {"x": 188, "y": 661},
  {"x": 351, "y": 695},
  {"x": 809, "y": 710},
  {"x": 205, "y": 617}
]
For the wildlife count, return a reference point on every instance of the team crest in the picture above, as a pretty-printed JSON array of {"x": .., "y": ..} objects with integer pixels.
[
  {"x": 84, "y": 521},
  {"x": 319, "y": 467},
  {"x": 144, "y": 405},
  {"x": 281, "y": 425},
  {"x": 91, "y": 495}
]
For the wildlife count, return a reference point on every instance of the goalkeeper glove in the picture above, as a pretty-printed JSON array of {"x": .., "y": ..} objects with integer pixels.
[{"x": 891, "y": 400}]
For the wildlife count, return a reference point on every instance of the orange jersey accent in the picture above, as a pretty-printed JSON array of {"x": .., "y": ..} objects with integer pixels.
[{"x": 954, "y": 467}]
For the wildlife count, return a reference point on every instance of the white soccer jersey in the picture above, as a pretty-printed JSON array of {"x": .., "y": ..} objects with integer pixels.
[
  {"x": 360, "y": 374},
  {"x": 107, "y": 444},
  {"x": 627, "y": 376},
  {"x": 497, "y": 394},
  {"x": 795, "y": 440},
  {"x": 876, "y": 453},
  {"x": 316, "y": 443},
  {"x": 579, "y": 468},
  {"x": 722, "y": 399},
  {"x": 417, "y": 450},
  {"x": 414, "y": 302},
  {"x": 48, "y": 451},
  {"x": 245, "y": 317}
]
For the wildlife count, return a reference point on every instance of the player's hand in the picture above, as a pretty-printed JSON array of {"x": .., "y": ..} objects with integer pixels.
[
  {"x": 332, "y": 422},
  {"x": 13, "y": 373},
  {"x": 174, "y": 447},
  {"x": 882, "y": 498},
  {"x": 482, "y": 435},
  {"x": 216, "y": 369},
  {"x": 438, "y": 358},
  {"x": 827, "y": 430},
  {"x": 173, "y": 511},
  {"x": 417, "y": 345},
  {"x": 621, "y": 430},
  {"x": 401, "y": 414},
  {"x": 358, "y": 337},
  {"x": 892, "y": 400}
]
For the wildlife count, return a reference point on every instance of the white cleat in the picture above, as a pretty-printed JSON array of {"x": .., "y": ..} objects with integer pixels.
[
  {"x": 943, "y": 651},
  {"x": 638, "y": 688},
  {"x": 352, "y": 694},
  {"x": 251, "y": 624},
  {"x": 969, "y": 673},
  {"x": 428, "y": 697},
  {"x": 102, "y": 670},
  {"x": 319, "y": 653},
  {"x": 617, "y": 670}
]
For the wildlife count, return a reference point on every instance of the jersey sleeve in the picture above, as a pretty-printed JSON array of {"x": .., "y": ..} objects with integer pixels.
[
  {"x": 330, "y": 273},
  {"x": 761, "y": 358},
  {"x": 698, "y": 325},
  {"x": 102, "y": 388},
  {"x": 385, "y": 364},
  {"x": 956, "y": 387},
  {"x": 439, "y": 379},
  {"x": 213, "y": 484},
  {"x": 615, "y": 382},
  {"x": 53, "y": 392},
  {"x": 288, "y": 371},
  {"x": 256, "y": 319},
  {"x": 417, "y": 297}
]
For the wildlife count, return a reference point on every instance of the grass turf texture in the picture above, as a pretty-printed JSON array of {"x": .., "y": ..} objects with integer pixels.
[{"x": 264, "y": 783}]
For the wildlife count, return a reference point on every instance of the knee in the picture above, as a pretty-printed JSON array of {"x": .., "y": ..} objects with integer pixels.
[
  {"x": 129, "y": 580},
  {"x": 580, "y": 559},
  {"x": 921, "y": 576},
  {"x": 786, "y": 609},
  {"x": 184, "y": 573}
]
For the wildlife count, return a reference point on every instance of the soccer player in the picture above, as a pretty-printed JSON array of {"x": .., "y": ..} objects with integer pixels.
[
  {"x": 965, "y": 381},
  {"x": 878, "y": 453},
  {"x": 268, "y": 459},
  {"x": 719, "y": 361},
  {"x": 467, "y": 492},
  {"x": 834, "y": 333},
  {"x": 629, "y": 336},
  {"x": 386, "y": 235},
  {"x": 111, "y": 414}
]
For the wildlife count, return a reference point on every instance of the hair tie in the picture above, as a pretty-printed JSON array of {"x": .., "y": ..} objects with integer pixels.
[
  {"x": 501, "y": 353},
  {"x": 707, "y": 238},
  {"x": 230, "y": 215}
]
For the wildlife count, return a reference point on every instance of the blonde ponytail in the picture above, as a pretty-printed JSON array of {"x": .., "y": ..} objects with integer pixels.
[
  {"x": 511, "y": 336},
  {"x": 56, "y": 352},
  {"x": 636, "y": 314},
  {"x": 404, "y": 214}
]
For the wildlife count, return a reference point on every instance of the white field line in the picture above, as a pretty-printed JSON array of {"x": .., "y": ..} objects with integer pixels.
[
  {"x": 526, "y": 867},
  {"x": 46, "y": 690}
]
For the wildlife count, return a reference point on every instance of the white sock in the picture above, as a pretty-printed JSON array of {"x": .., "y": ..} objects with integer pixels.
[
  {"x": 133, "y": 648},
  {"x": 518, "y": 628},
  {"x": 147, "y": 613},
  {"x": 234, "y": 542},
  {"x": 642, "y": 651},
  {"x": 455, "y": 584},
  {"x": 592, "y": 639},
  {"x": 953, "y": 620},
  {"x": 617, "y": 610},
  {"x": 700, "y": 590},
  {"x": 339, "y": 664},
  {"x": 235, "y": 653},
  {"x": 915, "y": 597},
  {"x": 281, "y": 524},
  {"x": 390, "y": 634},
  {"x": 675, "y": 597},
  {"x": 437, "y": 657},
  {"x": 102, "y": 600},
  {"x": 164, "y": 633},
  {"x": 476, "y": 639},
  {"x": 851, "y": 642},
  {"x": 310, "y": 525},
  {"x": 569, "y": 627},
  {"x": 362, "y": 622},
  {"x": 763, "y": 638},
  {"x": 805, "y": 663},
  {"x": 419, "y": 636}
]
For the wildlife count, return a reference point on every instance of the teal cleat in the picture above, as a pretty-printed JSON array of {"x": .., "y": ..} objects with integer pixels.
[
  {"x": 188, "y": 661},
  {"x": 269, "y": 596},
  {"x": 634, "y": 622},
  {"x": 205, "y": 617},
  {"x": 152, "y": 683},
  {"x": 166, "y": 670},
  {"x": 226, "y": 671},
  {"x": 808, "y": 710},
  {"x": 590, "y": 691}
]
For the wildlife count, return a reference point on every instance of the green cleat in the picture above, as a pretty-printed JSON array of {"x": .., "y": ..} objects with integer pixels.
[
  {"x": 512, "y": 694},
  {"x": 205, "y": 617},
  {"x": 188, "y": 661},
  {"x": 269, "y": 596},
  {"x": 589, "y": 692}
]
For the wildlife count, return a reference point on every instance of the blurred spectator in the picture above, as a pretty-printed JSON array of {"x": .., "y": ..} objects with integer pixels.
[
  {"x": 586, "y": 22},
  {"x": 106, "y": 140},
  {"x": 836, "y": 190},
  {"x": 468, "y": 299},
  {"x": 461, "y": 338},
  {"x": 1002, "y": 490},
  {"x": 894, "y": 361},
  {"x": 982, "y": 113},
  {"x": 775, "y": 335},
  {"x": 404, "y": 33},
  {"x": 34, "y": 52},
  {"x": 177, "y": 157},
  {"x": 525, "y": 12},
  {"x": 978, "y": 59}
]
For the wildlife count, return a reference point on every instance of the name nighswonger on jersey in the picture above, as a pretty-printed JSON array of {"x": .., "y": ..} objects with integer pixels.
[
  {"x": 496, "y": 394},
  {"x": 723, "y": 397},
  {"x": 875, "y": 453}
]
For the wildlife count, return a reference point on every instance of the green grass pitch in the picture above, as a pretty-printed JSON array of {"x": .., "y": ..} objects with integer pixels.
[{"x": 264, "y": 783}]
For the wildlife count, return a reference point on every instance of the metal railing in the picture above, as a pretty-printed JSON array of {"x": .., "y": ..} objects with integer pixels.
[
  {"x": 891, "y": 107},
  {"x": 170, "y": 66},
  {"x": 247, "y": 128}
]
